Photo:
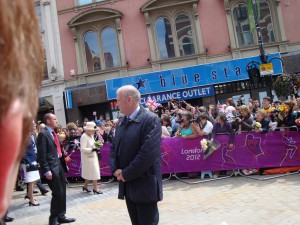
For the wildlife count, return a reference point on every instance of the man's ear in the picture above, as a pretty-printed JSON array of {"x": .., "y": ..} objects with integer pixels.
[{"x": 11, "y": 127}]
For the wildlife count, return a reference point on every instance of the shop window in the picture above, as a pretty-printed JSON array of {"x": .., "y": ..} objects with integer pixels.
[{"x": 99, "y": 41}]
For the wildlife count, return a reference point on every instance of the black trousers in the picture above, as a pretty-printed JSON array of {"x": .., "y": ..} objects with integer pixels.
[
  {"x": 58, "y": 188},
  {"x": 142, "y": 213}
]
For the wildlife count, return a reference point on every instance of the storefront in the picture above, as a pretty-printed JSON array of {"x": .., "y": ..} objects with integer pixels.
[{"x": 208, "y": 82}]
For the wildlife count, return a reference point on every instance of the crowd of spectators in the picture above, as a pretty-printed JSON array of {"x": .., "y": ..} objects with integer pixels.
[{"x": 181, "y": 119}]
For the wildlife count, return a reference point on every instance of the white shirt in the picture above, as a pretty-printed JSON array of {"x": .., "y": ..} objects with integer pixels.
[{"x": 208, "y": 127}]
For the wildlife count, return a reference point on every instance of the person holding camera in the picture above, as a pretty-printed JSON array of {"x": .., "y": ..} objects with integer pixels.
[
  {"x": 90, "y": 169},
  {"x": 204, "y": 125},
  {"x": 289, "y": 117},
  {"x": 245, "y": 122},
  {"x": 72, "y": 143},
  {"x": 30, "y": 168},
  {"x": 187, "y": 129}
]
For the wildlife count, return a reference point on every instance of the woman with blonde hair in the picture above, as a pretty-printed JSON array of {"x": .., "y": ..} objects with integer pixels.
[
  {"x": 90, "y": 169},
  {"x": 245, "y": 122}
]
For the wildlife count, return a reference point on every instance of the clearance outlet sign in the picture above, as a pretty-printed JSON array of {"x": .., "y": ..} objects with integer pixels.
[{"x": 188, "y": 78}]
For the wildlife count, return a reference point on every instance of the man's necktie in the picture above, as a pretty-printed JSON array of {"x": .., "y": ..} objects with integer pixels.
[
  {"x": 57, "y": 143},
  {"x": 126, "y": 119}
]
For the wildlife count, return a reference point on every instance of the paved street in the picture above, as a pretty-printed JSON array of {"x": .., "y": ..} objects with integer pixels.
[{"x": 237, "y": 201}]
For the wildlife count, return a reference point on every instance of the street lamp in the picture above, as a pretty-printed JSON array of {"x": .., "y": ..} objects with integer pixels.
[{"x": 268, "y": 78}]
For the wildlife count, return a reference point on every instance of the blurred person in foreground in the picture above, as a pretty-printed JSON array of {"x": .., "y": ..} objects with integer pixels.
[
  {"x": 135, "y": 158},
  {"x": 19, "y": 87}
]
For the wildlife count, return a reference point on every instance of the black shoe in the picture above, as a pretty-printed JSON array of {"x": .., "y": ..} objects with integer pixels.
[
  {"x": 35, "y": 192},
  {"x": 32, "y": 204},
  {"x": 44, "y": 192},
  {"x": 64, "y": 219},
  {"x": 8, "y": 219},
  {"x": 53, "y": 221},
  {"x": 19, "y": 188},
  {"x": 97, "y": 192},
  {"x": 86, "y": 189}
]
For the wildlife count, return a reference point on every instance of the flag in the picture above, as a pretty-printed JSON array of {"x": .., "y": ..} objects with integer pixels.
[
  {"x": 68, "y": 99},
  {"x": 251, "y": 14},
  {"x": 152, "y": 103}
]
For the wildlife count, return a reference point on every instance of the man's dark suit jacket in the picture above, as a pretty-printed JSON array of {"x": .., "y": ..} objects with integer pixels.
[
  {"x": 136, "y": 149},
  {"x": 47, "y": 153}
]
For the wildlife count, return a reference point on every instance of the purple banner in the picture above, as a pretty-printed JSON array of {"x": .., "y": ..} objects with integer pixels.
[
  {"x": 75, "y": 163},
  {"x": 251, "y": 150}
]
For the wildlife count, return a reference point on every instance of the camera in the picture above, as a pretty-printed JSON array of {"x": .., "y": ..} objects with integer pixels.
[
  {"x": 159, "y": 110},
  {"x": 175, "y": 100},
  {"x": 275, "y": 111},
  {"x": 179, "y": 120},
  {"x": 195, "y": 120}
]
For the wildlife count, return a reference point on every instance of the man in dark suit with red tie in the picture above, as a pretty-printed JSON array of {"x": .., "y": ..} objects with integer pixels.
[
  {"x": 54, "y": 168},
  {"x": 135, "y": 158}
]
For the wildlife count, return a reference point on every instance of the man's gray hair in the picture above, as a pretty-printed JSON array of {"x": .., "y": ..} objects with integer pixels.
[{"x": 129, "y": 90}]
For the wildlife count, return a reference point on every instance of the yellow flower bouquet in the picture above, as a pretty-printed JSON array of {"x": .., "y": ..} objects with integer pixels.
[{"x": 257, "y": 125}]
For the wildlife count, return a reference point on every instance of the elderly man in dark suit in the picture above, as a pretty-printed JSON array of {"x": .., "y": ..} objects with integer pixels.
[
  {"x": 54, "y": 168},
  {"x": 136, "y": 158}
]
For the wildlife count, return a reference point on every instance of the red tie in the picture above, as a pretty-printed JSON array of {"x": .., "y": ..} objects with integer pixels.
[{"x": 57, "y": 143}]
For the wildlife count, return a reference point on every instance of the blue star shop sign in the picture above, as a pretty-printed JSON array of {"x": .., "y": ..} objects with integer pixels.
[
  {"x": 190, "y": 77},
  {"x": 140, "y": 84}
]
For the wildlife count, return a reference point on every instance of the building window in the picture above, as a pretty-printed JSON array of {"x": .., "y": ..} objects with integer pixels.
[
  {"x": 99, "y": 41},
  {"x": 242, "y": 26},
  {"x": 164, "y": 38},
  {"x": 86, "y": 2},
  {"x": 110, "y": 48},
  {"x": 168, "y": 41},
  {"x": 184, "y": 35},
  {"x": 173, "y": 29},
  {"x": 92, "y": 52},
  {"x": 266, "y": 24},
  {"x": 246, "y": 37}
]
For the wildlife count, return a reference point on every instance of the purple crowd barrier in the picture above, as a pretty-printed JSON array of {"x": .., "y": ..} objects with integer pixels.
[{"x": 251, "y": 150}]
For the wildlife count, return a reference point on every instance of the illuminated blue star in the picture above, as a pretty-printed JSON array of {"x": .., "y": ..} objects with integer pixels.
[{"x": 140, "y": 83}]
